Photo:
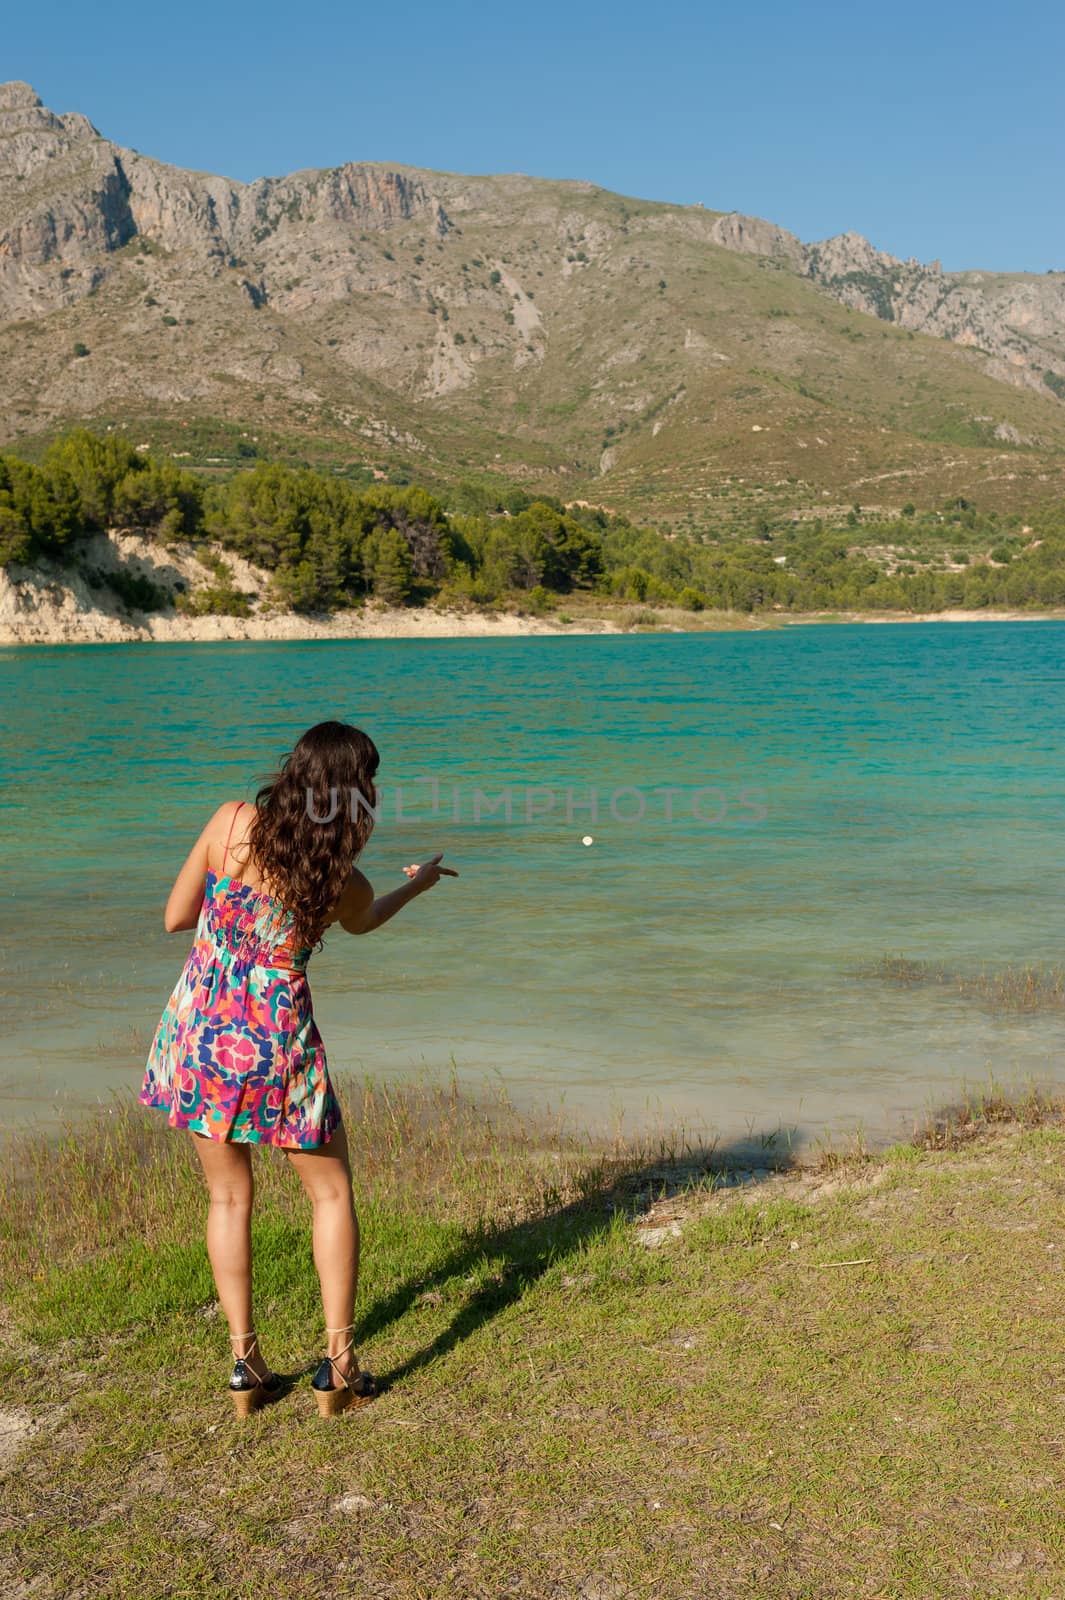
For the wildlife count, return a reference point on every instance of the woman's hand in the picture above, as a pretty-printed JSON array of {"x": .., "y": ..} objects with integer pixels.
[{"x": 429, "y": 872}]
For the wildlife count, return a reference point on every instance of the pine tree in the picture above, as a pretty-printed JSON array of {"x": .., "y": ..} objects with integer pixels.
[{"x": 387, "y": 565}]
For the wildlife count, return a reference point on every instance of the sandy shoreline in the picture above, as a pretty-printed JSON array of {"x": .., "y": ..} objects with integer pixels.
[
  {"x": 927, "y": 616},
  {"x": 429, "y": 623},
  {"x": 384, "y": 623}
]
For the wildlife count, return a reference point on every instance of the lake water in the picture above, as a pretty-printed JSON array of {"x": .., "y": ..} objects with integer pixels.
[{"x": 838, "y": 794}]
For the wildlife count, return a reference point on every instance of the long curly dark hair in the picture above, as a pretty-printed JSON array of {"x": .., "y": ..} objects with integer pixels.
[{"x": 313, "y": 819}]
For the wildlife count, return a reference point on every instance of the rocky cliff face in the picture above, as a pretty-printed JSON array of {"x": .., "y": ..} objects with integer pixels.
[
  {"x": 69, "y": 200},
  {"x": 1016, "y": 319},
  {"x": 64, "y": 205}
]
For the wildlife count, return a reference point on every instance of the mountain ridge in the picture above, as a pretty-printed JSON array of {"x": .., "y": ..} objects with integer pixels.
[{"x": 583, "y": 334}]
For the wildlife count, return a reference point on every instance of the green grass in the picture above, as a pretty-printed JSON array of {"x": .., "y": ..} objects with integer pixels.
[{"x": 828, "y": 1381}]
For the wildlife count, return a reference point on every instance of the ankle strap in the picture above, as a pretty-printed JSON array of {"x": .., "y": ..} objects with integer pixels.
[
  {"x": 347, "y": 1347},
  {"x": 239, "y": 1338}
]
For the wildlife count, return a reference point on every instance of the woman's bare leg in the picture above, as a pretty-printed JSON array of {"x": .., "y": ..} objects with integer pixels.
[
  {"x": 326, "y": 1175},
  {"x": 227, "y": 1169}
]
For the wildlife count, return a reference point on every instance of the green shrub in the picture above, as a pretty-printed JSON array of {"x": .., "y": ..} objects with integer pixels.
[
  {"x": 136, "y": 591},
  {"x": 539, "y": 601},
  {"x": 216, "y": 599}
]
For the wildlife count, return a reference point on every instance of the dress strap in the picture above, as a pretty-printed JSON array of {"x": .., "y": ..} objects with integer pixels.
[{"x": 229, "y": 835}]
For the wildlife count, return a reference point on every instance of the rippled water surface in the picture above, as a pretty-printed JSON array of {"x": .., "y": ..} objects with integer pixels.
[{"x": 838, "y": 794}]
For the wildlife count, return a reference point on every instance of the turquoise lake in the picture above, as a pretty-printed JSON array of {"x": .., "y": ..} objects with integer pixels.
[{"x": 838, "y": 794}]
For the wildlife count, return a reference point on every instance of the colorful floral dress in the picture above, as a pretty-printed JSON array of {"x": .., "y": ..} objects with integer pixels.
[{"x": 237, "y": 1054}]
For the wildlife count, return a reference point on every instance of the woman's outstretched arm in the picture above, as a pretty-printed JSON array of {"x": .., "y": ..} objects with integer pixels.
[{"x": 360, "y": 912}]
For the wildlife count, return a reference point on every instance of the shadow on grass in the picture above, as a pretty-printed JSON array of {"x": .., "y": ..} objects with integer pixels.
[
  {"x": 102, "y": 1232},
  {"x": 525, "y": 1251}
]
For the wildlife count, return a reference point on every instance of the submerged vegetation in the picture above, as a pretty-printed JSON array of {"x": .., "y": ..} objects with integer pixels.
[
  {"x": 330, "y": 541},
  {"x": 1024, "y": 988}
]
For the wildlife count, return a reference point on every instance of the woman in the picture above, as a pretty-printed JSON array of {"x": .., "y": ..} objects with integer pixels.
[{"x": 237, "y": 1058}]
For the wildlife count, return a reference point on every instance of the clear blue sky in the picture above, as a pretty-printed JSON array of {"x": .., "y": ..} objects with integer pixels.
[{"x": 936, "y": 129}]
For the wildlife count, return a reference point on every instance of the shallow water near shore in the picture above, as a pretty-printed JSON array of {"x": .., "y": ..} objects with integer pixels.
[{"x": 837, "y": 795}]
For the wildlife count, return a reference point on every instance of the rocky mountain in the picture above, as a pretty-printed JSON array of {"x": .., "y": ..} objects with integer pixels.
[
  {"x": 1017, "y": 320},
  {"x": 694, "y": 366}
]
